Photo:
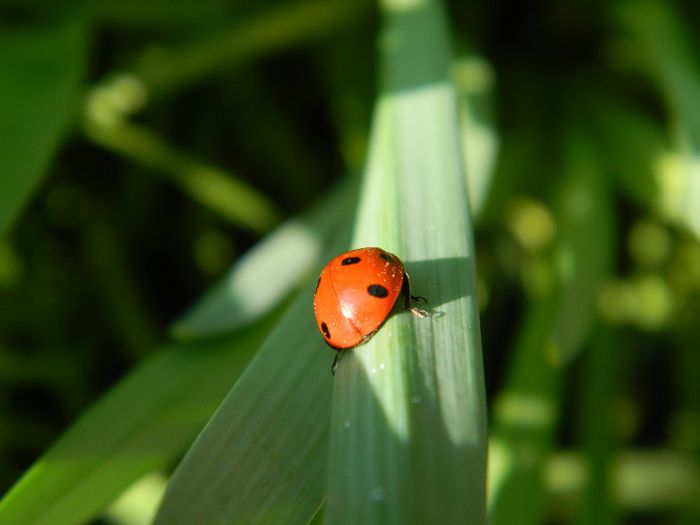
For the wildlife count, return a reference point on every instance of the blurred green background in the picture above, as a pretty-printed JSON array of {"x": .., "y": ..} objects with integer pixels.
[{"x": 146, "y": 145}]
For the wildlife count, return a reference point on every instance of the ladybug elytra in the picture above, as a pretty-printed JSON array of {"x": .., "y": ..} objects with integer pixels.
[{"x": 355, "y": 294}]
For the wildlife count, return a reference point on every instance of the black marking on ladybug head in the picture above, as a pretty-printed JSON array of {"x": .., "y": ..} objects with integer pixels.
[
  {"x": 386, "y": 257},
  {"x": 377, "y": 290},
  {"x": 350, "y": 260},
  {"x": 324, "y": 329}
]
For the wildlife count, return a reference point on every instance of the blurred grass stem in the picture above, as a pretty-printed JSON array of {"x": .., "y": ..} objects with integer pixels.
[{"x": 221, "y": 192}]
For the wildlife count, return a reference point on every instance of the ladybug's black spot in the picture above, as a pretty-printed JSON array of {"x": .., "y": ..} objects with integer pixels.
[
  {"x": 377, "y": 290},
  {"x": 324, "y": 329},
  {"x": 317, "y": 283},
  {"x": 386, "y": 257},
  {"x": 350, "y": 260}
]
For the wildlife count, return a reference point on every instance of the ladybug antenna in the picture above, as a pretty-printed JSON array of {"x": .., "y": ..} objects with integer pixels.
[
  {"x": 406, "y": 291},
  {"x": 338, "y": 357}
]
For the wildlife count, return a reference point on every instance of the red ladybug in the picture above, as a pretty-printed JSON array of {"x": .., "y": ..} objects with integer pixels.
[{"x": 355, "y": 294}]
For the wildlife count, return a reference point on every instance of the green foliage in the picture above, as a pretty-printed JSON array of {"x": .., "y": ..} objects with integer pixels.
[
  {"x": 148, "y": 419},
  {"x": 42, "y": 67},
  {"x": 535, "y": 168},
  {"x": 408, "y": 429}
]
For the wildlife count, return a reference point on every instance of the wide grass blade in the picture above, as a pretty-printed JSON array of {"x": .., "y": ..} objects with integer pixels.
[
  {"x": 41, "y": 69},
  {"x": 262, "y": 457},
  {"x": 408, "y": 435}
]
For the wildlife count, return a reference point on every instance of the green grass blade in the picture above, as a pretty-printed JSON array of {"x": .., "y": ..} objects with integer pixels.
[
  {"x": 661, "y": 36},
  {"x": 262, "y": 457},
  {"x": 687, "y": 365},
  {"x": 633, "y": 144},
  {"x": 556, "y": 324},
  {"x": 41, "y": 70},
  {"x": 665, "y": 47},
  {"x": 474, "y": 80},
  {"x": 601, "y": 382},
  {"x": 231, "y": 197},
  {"x": 138, "y": 504},
  {"x": 269, "y": 29},
  {"x": 268, "y": 272},
  {"x": 172, "y": 15},
  {"x": 141, "y": 425},
  {"x": 185, "y": 382},
  {"x": 408, "y": 435}
]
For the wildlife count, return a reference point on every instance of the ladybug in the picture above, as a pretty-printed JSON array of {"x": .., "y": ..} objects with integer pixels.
[{"x": 355, "y": 294}]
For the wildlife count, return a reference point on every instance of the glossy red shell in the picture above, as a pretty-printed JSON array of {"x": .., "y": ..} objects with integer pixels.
[{"x": 355, "y": 294}]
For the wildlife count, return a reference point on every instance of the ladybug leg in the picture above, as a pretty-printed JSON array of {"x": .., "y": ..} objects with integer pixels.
[
  {"x": 406, "y": 291},
  {"x": 338, "y": 357},
  {"x": 407, "y": 297}
]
